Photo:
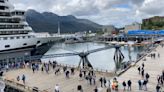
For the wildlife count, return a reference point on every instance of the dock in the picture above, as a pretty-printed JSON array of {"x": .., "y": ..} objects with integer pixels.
[
  {"x": 46, "y": 82},
  {"x": 153, "y": 67}
]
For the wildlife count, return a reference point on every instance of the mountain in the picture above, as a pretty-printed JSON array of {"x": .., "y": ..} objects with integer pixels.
[{"x": 48, "y": 22}]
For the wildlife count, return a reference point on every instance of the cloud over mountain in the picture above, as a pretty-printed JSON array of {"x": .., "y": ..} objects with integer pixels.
[{"x": 117, "y": 12}]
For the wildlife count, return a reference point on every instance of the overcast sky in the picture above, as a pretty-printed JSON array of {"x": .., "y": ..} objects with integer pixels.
[{"x": 106, "y": 12}]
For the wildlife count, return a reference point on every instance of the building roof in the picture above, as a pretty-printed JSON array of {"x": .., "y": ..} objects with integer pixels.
[{"x": 146, "y": 32}]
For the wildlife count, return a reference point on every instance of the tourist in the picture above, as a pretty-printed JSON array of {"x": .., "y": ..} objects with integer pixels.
[
  {"x": 101, "y": 81},
  {"x": 139, "y": 69},
  {"x": 161, "y": 81},
  {"x": 109, "y": 83},
  {"x": 142, "y": 81},
  {"x": 90, "y": 79},
  {"x": 163, "y": 75},
  {"x": 143, "y": 65},
  {"x": 139, "y": 84},
  {"x": 42, "y": 69},
  {"x": 18, "y": 78},
  {"x": 57, "y": 88},
  {"x": 72, "y": 71},
  {"x": 142, "y": 73},
  {"x": 158, "y": 55},
  {"x": 80, "y": 75},
  {"x": 23, "y": 78},
  {"x": 33, "y": 68},
  {"x": 108, "y": 89},
  {"x": 94, "y": 79},
  {"x": 67, "y": 74},
  {"x": 124, "y": 85},
  {"x": 104, "y": 80},
  {"x": 64, "y": 68},
  {"x": 129, "y": 84},
  {"x": 57, "y": 71},
  {"x": 158, "y": 88},
  {"x": 147, "y": 77},
  {"x": 79, "y": 88},
  {"x": 84, "y": 73},
  {"x": 96, "y": 89},
  {"x": 158, "y": 79},
  {"x": 145, "y": 85}
]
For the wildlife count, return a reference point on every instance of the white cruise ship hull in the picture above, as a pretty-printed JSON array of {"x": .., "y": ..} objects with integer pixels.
[{"x": 15, "y": 44}]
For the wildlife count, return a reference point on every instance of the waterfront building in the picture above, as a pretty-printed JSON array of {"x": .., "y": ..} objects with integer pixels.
[
  {"x": 133, "y": 26},
  {"x": 109, "y": 29}
]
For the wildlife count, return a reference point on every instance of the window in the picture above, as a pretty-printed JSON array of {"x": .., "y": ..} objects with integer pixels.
[
  {"x": 23, "y": 37},
  {"x": 18, "y": 37},
  {"x": 25, "y": 44},
  {"x": 11, "y": 37},
  {"x": 5, "y": 38},
  {"x": 7, "y": 46},
  {"x": 29, "y": 36},
  {"x": 38, "y": 42}
]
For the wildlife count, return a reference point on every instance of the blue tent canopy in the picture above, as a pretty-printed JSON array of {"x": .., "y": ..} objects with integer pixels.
[{"x": 146, "y": 32}]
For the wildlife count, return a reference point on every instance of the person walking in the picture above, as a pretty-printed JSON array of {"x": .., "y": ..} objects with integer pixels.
[
  {"x": 147, "y": 77},
  {"x": 108, "y": 89},
  {"x": 23, "y": 78},
  {"x": 57, "y": 88},
  {"x": 142, "y": 73},
  {"x": 79, "y": 88},
  {"x": 143, "y": 65},
  {"x": 139, "y": 70},
  {"x": 104, "y": 82},
  {"x": 96, "y": 89},
  {"x": 124, "y": 85},
  {"x": 158, "y": 88},
  {"x": 145, "y": 85},
  {"x": 18, "y": 78},
  {"x": 139, "y": 84},
  {"x": 101, "y": 81},
  {"x": 129, "y": 84}
]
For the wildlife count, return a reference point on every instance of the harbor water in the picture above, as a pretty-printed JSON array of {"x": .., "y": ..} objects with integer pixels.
[{"x": 100, "y": 60}]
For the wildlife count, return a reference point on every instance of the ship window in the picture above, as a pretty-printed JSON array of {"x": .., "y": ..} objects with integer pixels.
[
  {"x": 38, "y": 42},
  {"x": 25, "y": 44},
  {"x": 23, "y": 37},
  {"x": 18, "y": 37},
  {"x": 11, "y": 37},
  {"x": 5, "y": 38},
  {"x": 7, "y": 46},
  {"x": 29, "y": 36},
  {"x": 2, "y": 7}
]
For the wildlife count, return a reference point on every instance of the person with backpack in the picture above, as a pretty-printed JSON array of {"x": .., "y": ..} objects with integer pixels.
[
  {"x": 101, "y": 81},
  {"x": 129, "y": 84},
  {"x": 124, "y": 85},
  {"x": 147, "y": 77}
]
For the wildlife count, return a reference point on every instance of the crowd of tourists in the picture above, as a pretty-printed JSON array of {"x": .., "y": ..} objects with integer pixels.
[{"x": 88, "y": 75}]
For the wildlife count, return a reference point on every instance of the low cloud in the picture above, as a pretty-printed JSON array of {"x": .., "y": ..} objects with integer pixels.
[{"x": 116, "y": 12}]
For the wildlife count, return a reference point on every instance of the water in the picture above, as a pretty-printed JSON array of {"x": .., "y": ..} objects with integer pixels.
[{"x": 101, "y": 60}]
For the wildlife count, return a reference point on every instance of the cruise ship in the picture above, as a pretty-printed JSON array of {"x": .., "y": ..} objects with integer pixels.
[{"x": 15, "y": 33}]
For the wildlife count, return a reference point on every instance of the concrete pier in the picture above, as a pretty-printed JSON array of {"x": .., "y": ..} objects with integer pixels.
[
  {"x": 153, "y": 67},
  {"x": 46, "y": 82}
]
